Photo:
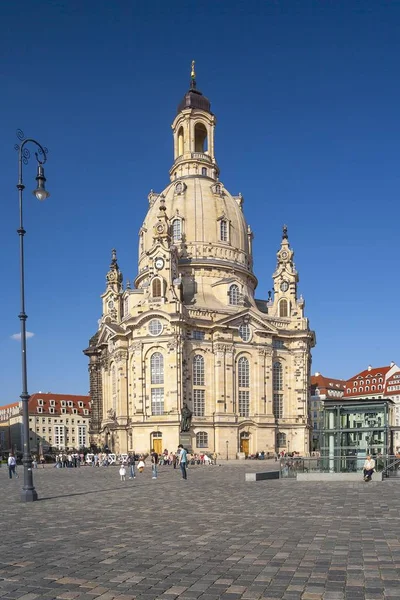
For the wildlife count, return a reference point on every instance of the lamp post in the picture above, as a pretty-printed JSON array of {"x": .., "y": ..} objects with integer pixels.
[{"x": 28, "y": 493}]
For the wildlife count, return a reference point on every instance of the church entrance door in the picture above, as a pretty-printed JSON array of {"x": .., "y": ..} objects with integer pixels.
[
  {"x": 244, "y": 446},
  {"x": 157, "y": 445}
]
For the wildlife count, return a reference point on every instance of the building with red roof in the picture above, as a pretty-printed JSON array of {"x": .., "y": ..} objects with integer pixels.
[
  {"x": 56, "y": 421},
  {"x": 378, "y": 383}
]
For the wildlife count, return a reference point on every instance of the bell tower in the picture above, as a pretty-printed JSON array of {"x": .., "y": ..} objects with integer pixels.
[
  {"x": 285, "y": 279},
  {"x": 193, "y": 132}
]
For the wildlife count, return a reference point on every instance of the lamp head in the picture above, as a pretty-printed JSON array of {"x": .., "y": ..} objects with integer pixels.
[{"x": 40, "y": 192}]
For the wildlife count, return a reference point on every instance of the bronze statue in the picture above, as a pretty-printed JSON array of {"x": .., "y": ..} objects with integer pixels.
[{"x": 186, "y": 419}]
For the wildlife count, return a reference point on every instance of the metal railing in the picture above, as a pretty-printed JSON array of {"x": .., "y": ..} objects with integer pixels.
[{"x": 389, "y": 465}]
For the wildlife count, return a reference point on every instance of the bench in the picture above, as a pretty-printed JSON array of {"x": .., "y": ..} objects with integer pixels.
[{"x": 261, "y": 475}]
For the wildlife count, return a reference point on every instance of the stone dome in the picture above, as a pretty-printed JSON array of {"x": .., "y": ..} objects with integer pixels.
[{"x": 206, "y": 222}]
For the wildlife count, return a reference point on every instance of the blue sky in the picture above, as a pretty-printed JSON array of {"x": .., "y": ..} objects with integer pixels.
[{"x": 307, "y": 98}]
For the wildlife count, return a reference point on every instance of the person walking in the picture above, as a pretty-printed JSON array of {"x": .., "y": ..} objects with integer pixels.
[
  {"x": 131, "y": 465},
  {"x": 12, "y": 465},
  {"x": 183, "y": 460},
  {"x": 369, "y": 466},
  {"x": 154, "y": 463}
]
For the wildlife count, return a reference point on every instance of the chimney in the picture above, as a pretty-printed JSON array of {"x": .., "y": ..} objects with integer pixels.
[
  {"x": 392, "y": 364},
  {"x": 317, "y": 374},
  {"x": 369, "y": 368}
]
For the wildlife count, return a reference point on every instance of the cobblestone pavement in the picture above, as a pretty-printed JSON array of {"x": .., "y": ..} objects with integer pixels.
[{"x": 213, "y": 536}]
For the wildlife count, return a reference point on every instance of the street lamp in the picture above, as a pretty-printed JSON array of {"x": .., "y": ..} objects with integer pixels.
[{"x": 28, "y": 494}]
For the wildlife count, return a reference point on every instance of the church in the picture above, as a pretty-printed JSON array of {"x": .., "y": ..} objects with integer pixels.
[{"x": 188, "y": 354}]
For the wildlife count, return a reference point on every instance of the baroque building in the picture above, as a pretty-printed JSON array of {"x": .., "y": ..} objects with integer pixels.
[{"x": 190, "y": 334}]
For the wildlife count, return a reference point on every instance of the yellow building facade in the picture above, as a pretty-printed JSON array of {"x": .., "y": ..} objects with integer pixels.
[{"x": 191, "y": 332}]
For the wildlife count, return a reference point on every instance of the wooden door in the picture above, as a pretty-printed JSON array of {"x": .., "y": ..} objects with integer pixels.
[
  {"x": 157, "y": 445},
  {"x": 244, "y": 446}
]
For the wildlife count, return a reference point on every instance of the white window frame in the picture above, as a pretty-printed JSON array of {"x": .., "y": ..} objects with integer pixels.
[
  {"x": 157, "y": 401},
  {"x": 234, "y": 294},
  {"x": 199, "y": 402},
  {"x": 176, "y": 229},
  {"x": 202, "y": 439}
]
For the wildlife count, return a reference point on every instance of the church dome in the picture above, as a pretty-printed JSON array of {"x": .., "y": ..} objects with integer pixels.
[
  {"x": 194, "y": 99},
  {"x": 206, "y": 222}
]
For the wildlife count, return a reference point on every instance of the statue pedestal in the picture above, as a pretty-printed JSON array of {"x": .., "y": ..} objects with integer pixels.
[{"x": 185, "y": 438}]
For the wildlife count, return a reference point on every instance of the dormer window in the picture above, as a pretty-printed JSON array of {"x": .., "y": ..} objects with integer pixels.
[
  {"x": 233, "y": 295},
  {"x": 63, "y": 403},
  {"x": 40, "y": 402},
  {"x": 39, "y": 409},
  {"x": 52, "y": 402},
  {"x": 70, "y": 403},
  {"x": 176, "y": 230},
  {"x": 63, "y": 411},
  {"x": 51, "y": 410},
  {"x": 223, "y": 230}
]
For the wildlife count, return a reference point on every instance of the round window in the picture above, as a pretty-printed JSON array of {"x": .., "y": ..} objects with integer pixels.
[
  {"x": 245, "y": 332},
  {"x": 155, "y": 327}
]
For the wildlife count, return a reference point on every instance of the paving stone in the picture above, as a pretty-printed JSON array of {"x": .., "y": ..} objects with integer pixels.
[{"x": 91, "y": 538}]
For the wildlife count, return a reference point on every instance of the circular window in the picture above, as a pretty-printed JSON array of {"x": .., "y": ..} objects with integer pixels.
[
  {"x": 245, "y": 332},
  {"x": 155, "y": 327}
]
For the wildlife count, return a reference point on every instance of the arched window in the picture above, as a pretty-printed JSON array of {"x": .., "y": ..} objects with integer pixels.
[
  {"x": 223, "y": 230},
  {"x": 244, "y": 386},
  {"x": 156, "y": 288},
  {"x": 200, "y": 138},
  {"x": 367, "y": 388},
  {"x": 281, "y": 440},
  {"x": 180, "y": 142},
  {"x": 157, "y": 368},
  {"x": 283, "y": 308},
  {"x": 141, "y": 243},
  {"x": 277, "y": 377},
  {"x": 199, "y": 392},
  {"x": 204, "y": 171},
  {"x": 277, "y": 387},
  {"x": 126, "y": 306},
  {"x": 379, "y": 387},
  {"x": 176, "y": 230},
  {"x": 234, "y": 295},
  {"x": 157, "y": 381},
  {"x": 202, "y": 439},
  {"x": 198, "y": 370}
]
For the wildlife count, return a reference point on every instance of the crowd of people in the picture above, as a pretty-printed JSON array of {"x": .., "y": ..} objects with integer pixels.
[
  {"x": 131, "y": 462},
  {"x": 180, "y": 459}
]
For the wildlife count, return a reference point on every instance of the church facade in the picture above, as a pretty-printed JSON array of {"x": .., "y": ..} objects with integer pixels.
[{"x": 189, "y": 342}]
